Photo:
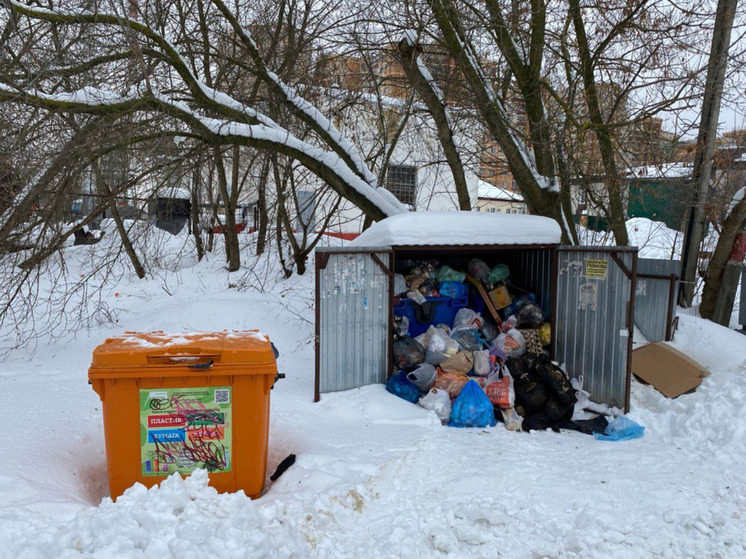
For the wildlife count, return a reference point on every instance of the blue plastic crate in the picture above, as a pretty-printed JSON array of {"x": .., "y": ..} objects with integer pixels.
[
  {"x": 476, "y": 303},
  {"x": 442, "y": 311}
]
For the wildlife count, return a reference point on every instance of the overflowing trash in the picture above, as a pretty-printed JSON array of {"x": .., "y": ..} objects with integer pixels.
[{"x": 473, "y": 347}]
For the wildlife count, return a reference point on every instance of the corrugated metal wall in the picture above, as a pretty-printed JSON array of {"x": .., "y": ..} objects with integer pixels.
[
  {"x": 654, "y": 307},
  {"x": 532, "y": 270},
  {"x": 353, "y": 314},
  {"x": 742, "y": 309},
  {"x": 592, "y": 335}
]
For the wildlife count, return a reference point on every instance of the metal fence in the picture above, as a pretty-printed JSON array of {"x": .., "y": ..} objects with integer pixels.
[{"x": 655, "y": 298}]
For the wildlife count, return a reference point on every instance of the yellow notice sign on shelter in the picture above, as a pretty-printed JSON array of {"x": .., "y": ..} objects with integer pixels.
[{"x": 595, "y": 268}]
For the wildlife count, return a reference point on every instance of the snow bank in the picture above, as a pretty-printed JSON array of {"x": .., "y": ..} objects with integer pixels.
[
  {"x": 654, "y": 239},
  {"x": 460, "y": 228},
  {"x": 181, "y": 518}
]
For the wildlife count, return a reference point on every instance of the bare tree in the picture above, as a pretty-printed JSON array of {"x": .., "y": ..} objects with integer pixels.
[
  {"x": 734, "y": 224},
  {"x": 195, "y": 108},
  {"x": 701, "y": 173},
  {"x": 586, "y": 75},
  {"x": 533, "y": 169}
]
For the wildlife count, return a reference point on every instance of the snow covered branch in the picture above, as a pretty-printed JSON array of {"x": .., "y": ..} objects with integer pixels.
[
  {"x": 215, "y": 115},
  {"x": 309, "y": 114}
]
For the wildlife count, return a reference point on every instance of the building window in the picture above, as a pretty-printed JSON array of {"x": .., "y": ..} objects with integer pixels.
[{"x": 401, "y": 181}]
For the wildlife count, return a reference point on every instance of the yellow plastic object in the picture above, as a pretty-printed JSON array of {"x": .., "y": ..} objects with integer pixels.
[
  {"x": 545, "y": 333},
  {"x": 178, "y": 402}
]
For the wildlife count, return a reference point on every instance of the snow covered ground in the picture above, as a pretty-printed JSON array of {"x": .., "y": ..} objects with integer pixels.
[{"x": 375, "y": 476}]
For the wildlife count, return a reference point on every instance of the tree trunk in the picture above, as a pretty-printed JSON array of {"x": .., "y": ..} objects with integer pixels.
[
  {"x": 232, "y": 250},
  {"x": 701, "y": 172},
  {"x": 437, "y": 109},
  {"x": 527, "y": 74},
  {"x": 126, "y": 242},
  {"x": 287, "y": 270},
  {"x": 195, "y": 218},
  {"x": 601, "y": 129},
  {"x": 261, "y": 208},
  {"x": 121, "y": 229},
  {"x": 283, "y": 219},
  {"x": 733, "y": 226},
  {"x": 539, "y": 190}
]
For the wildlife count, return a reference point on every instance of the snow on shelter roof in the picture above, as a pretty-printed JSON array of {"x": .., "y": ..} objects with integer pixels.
[{"x": 460, "y": 229}]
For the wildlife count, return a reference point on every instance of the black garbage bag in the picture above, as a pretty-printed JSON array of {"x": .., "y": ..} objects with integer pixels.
[
  {"x": 425, "y": 312},
  {"x": 558, "y": 412},
  {"x": 529, "y": 316},
  {"x": 537, "y": 421},
  {"x": 543, "y": 393},
  {"x": 597, "y": 424},
  {"x": 555, "y": 379},
  {"x": 530, "y": 393}
]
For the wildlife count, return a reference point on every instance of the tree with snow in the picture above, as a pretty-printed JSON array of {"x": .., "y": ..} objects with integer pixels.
[{"x": 174, "y": 82}]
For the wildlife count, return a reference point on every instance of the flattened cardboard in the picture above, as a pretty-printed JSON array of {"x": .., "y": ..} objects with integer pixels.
[{"x": 669, "y": 371}]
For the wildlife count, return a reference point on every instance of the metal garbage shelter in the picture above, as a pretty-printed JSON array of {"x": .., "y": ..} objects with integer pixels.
[
  {"x": 655, "y": 298},
  {"x": 587, "y": 294}
]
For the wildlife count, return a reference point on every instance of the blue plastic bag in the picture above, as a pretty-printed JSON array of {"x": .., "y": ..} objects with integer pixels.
[
  {"x": 621, "y": 429},
  {"x": 453, "y": 289},
  {"x": 401, "y": 386},
  {"x": 472, "y": 408}
]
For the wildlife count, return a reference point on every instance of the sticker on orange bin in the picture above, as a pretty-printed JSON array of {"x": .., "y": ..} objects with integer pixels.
[
  {"x": 183, "y": 429},
  {"x": 206, "y": 432},
  {"x": 167, "y": 420}
]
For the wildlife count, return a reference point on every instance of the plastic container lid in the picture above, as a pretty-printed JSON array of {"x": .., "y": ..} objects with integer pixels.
[{"x": 159, "y": 349}]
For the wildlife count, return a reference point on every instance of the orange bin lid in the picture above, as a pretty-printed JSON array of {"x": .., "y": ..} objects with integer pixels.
[{"x": 158, "y": 349}]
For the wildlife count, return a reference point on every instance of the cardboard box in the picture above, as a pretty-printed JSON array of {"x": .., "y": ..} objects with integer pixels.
[
  {"x": 500, "y": 297},
  {"x": 669, "y": 371}
]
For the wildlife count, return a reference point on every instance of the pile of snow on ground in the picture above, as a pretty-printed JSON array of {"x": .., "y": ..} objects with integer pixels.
[{"x": 374, "y": 474}]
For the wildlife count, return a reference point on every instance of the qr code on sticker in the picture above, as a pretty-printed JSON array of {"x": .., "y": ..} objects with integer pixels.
[{"x": 223, "y": 396}]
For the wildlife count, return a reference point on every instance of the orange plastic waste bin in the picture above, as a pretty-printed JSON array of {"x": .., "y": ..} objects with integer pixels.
[{"x": 178, "y": 402}]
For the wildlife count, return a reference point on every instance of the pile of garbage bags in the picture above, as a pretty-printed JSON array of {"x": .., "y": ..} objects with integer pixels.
[
  {"x": 435, "y": 295},
  {"x": 472, "y": 383},
  {"x": 474, "y": 370}
]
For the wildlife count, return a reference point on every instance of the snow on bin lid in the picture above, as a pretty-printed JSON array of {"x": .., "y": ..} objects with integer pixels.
[
  {"x": 156, "y": 349},
  {"x": 460, "y": 228}
]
